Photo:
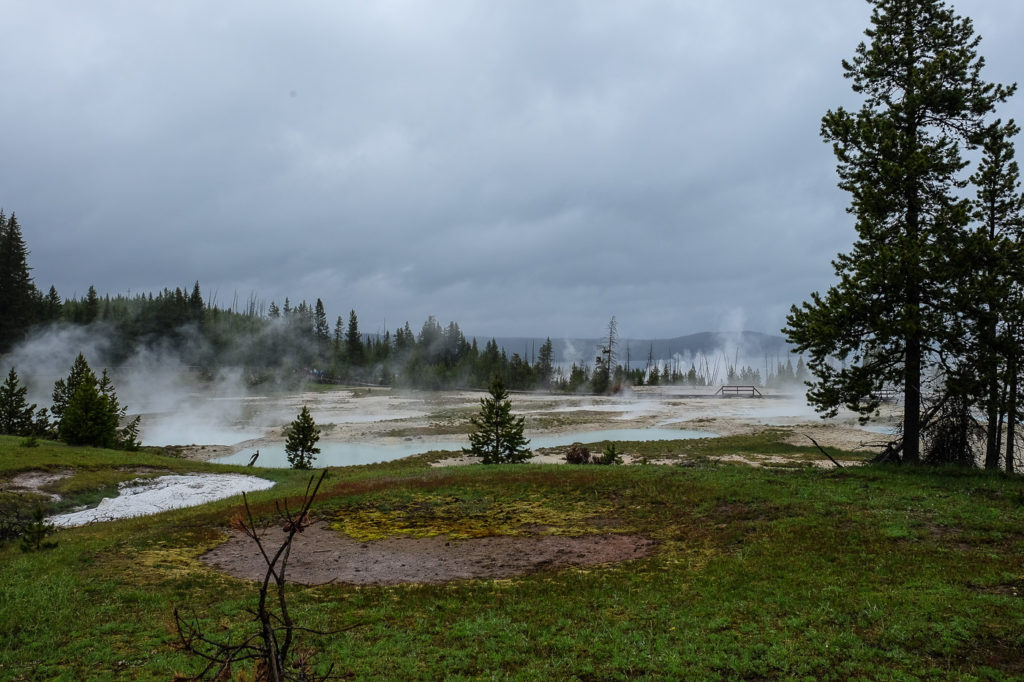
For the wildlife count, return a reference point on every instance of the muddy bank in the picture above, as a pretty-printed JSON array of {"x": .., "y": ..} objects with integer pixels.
[{"x": 320, "y": 555}]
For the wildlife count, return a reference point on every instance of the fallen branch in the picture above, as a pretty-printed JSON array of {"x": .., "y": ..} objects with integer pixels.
[{"x": 824, "y": 452}]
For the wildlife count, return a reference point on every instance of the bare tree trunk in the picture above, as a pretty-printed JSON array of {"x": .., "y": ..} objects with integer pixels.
[
  {"x": 992, "y": 418},
  {"x": 912, "y": 402},
  {"x": 1011, "y": 424}
]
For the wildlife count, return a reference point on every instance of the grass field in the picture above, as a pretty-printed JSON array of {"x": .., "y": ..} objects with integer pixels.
[{"x": 759, "y": 573}]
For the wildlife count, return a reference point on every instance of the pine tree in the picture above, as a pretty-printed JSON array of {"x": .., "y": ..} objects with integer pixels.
[
  {"x": 499, "y": 436},
  {"x": 986, "y": 309},
  {"x": 124, "y": 437},
  {"x": 195, "y": 304},
  {"x": 87, "y": 411},
  {"x": 545, "y": 364},
  {"x": 802, "y": 374},
  {"x": 86, "y": 419},
  {"x": 899, "y": 158},
  {"x": 51, "y": 307},
  {"x": 321, "y": 331},
  {"x": 91, "y": 310},
  {"x": 300, "y": 445},
  {"x": 353, "y": 341},
  {"x": 18, "y": 294},
  {"x": 339, "y": 335},
  {"x": 64, "y": 389},
  {"x": 16, "y": 413}
]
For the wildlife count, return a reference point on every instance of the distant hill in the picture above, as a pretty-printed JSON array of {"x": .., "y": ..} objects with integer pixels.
[{"x": 742, "y": 348}]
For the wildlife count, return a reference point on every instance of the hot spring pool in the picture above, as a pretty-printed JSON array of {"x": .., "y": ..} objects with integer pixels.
[{"x": 349, "y": 454}]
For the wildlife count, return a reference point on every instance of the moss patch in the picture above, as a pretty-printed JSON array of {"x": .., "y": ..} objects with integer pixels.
[{"x": 427, "y": 516}]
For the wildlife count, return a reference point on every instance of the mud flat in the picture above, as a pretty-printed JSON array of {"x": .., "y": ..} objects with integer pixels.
[{"x": 411, "y": 422}]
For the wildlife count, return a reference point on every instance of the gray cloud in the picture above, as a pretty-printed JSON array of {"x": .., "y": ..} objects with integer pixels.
[{"x": 520, "y": 167}]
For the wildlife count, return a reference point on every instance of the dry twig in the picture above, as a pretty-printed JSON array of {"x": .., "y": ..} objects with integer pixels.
[{"x": 271, "y": 646}]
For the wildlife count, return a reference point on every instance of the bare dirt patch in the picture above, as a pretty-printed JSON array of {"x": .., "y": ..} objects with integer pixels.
[
  {"x": 320, "y": 555},
  {"x": 36, "y": 482}
]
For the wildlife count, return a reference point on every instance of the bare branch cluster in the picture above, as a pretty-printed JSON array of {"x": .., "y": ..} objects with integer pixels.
[{"x": 272, "y": 644}]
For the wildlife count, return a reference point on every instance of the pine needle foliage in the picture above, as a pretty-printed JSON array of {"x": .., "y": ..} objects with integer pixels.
[
  {"x": 900, "y": 158},
  {"x": 498, "y": 437},
  {"x": 88, "y": 412},
  {"x": 15, "y": 411},
  {"x": 300, "y": 445}
]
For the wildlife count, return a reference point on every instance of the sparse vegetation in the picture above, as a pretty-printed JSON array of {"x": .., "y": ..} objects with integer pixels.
[{"x": 579, "y": 454}]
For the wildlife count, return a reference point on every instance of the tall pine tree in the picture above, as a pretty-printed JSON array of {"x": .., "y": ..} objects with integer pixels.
[
  {"x": 986, "y": 310},
  {"x": 354, "y": 352},
  {"x": 18, "y": 294},
  {"x": 16, "y": 413},
  {"x": 321, "y": 331},
  {"x": 900, "y": 159}
]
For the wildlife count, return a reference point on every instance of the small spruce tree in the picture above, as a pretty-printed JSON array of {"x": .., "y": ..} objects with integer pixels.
[
  {"x": 15, "y": 411},
  {"x": 87, "y": 411},
  {"x": 126, "y": 437},
  {"x": 17, "y": 291},
  {"x": 499, "y": 436},
  {"x": 85, "y": 420},
  {"x": 302, "y": 437},
  {"x": 63, "y": 389}
]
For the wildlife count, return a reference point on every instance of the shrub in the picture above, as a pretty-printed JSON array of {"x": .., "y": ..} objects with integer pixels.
[
  {"x": 33, "y": 534},
  {"x": 577, "y": 454},
  {"x": 610, "y": 455}
]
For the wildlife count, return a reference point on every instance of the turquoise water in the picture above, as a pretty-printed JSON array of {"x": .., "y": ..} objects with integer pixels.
[{"x": 349, "y": 454}]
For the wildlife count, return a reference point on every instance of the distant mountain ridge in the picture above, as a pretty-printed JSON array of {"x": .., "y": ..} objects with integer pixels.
[{"x": 740, "y": 348}]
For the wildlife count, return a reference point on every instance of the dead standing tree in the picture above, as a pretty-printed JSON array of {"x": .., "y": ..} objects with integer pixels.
[{"x": 271, "y": 645}]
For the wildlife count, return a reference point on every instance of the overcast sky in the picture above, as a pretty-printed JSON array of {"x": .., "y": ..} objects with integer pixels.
[{"x": 520, "y": 167}]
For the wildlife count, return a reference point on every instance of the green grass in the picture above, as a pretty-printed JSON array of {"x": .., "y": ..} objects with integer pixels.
[
  {"x": 770, "y": 441},
  {"x": 795, "y": 573}
]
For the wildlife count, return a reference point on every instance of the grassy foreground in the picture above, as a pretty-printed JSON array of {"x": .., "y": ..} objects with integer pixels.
[{"x": 775, "y": 573}]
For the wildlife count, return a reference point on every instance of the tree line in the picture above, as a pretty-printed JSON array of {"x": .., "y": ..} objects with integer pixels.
[{"x": 294, "y": 342}]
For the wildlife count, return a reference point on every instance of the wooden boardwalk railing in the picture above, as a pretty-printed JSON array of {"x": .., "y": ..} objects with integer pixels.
[{"x": 739, "y": 391}]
